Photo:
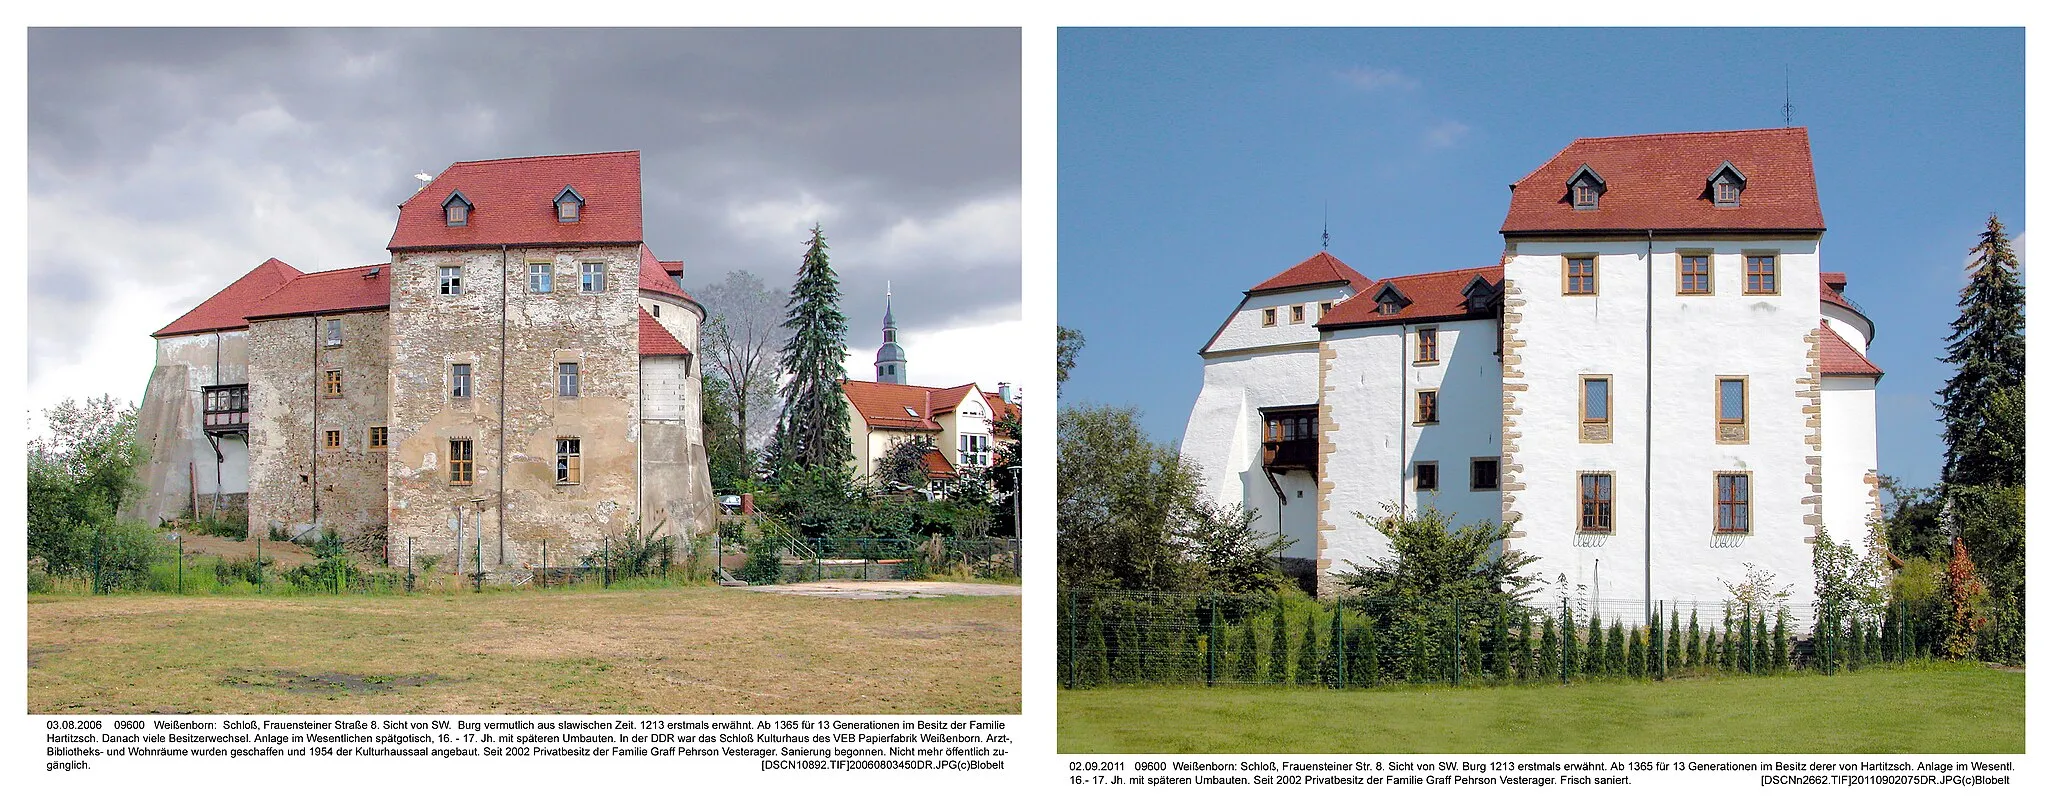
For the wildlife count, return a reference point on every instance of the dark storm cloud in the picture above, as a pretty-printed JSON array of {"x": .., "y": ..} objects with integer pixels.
[{"x": 171, "y": 161}]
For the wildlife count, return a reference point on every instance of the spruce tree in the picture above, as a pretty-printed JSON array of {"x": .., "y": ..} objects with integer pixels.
[
  {"x": 1568, "y": 644},
  {"x": 1308, "y": 668},
  {"x": 1692, "y": 641},
  {"x": 1278, "y": 653},
  {"x": 1596, "y": 647},
  {"x": 812, "y": 431},
  {"x": 1617, "y": 654},
  {"x": 1246, "y": 669},
  {"x": 1986, "y": 437},
  {"x": 1547, "y": 653}
]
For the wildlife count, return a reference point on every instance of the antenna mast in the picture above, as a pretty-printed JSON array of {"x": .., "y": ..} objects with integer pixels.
[{"x": 1788, "y": 95}]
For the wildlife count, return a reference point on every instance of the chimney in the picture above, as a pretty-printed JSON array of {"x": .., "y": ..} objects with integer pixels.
[{"x": 1003, "y": 389}]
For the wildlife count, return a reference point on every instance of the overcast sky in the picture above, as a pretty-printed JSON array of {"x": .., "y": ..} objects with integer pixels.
[{"x": 163, "y": 164}]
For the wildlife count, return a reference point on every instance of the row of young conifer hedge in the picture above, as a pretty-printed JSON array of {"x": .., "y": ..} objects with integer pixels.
[{"x": 1131, "y": 638}]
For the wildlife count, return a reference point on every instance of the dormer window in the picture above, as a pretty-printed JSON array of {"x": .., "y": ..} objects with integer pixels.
[
  {"x": 455, "y": 210},
  {"x": 1586, "y": 188},
  {"x": 1390, "y": 300},
  {"x": 1726, "y": 185},
  {"x": 568, "y": 206}
]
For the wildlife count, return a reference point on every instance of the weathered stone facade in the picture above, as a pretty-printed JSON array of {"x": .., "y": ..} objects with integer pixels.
[
  {"x": 514, "y": 416},
  {"x": 352, "y": 403},
  {"x": 298, "y": 480}
]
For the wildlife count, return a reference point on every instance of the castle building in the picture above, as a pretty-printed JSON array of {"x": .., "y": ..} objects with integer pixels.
[
  {"x": 518, "y": 379},
  {"x": 1657, "y": 384},
  {"x": 960, "y": 421}
]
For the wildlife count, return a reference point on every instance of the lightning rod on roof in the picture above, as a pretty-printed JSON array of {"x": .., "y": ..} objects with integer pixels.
[
  {"x": 1788, "y": 95},
  {"x": 1326, "y": 225}
]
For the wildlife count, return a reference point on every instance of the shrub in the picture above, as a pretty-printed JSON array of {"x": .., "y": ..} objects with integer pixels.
[
  {"x": 1596, "y": 647},
  {"x": 1095, "y": 650},
  {"x": 1367, "y": 672},
  {"x": 1781, "y": 649},
  {"x": 1278, "y": 653},
  {"x": 1307, "y": 667},
  {"x": 1525, "y": 651},
  {"x": 1693, "y": 653},
  {"x": 1546, "y": 651},
  {"x": 1247, "y": 663},
  {"x": 1760, "y": 652},
  {"x": 1617, "y": 660}
]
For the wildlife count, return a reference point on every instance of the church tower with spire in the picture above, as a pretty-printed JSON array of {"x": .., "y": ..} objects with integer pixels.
[{"x": 889, "y": 362}]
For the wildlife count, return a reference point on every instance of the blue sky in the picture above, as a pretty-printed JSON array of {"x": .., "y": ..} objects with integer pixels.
[{"x": 1194, "y": 163}]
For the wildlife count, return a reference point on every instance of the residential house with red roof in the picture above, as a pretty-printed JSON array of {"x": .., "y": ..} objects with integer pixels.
[
  {"x": 961, "y": 421},
  {"x": 519, "y": 378},
  {"x": 1657, "y": 384}
]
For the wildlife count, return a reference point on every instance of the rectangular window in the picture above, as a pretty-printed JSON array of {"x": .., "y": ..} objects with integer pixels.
[
  {"x": 458, "y": 380},
  {"x": 1594, "y": 407},
  {"x": 540, "y": 277},
  {"x": 451, "y": 280},
  {"x": 1486, "y": 474},
  {"x": 1760, "y": 274},
  {"x": 1731, "y": 409},
  {"x": 1731, "y": 502},
  {"x": 1298, "y": 313},
  {"x": 331, "y": 439},
  {"x": 568, "y": 460},
  {"x": 593, "y": 277},
  {"x": 1425, "y": 476},
  {"x": 458, "y": 214},
  {"x": 1425, "y": 406},
  {"x": 333, "y": 332},
  {"x": 1695, "y": 274},
  {"x": 974, "y": 450},
  {"x": 1596, "y": 502},
  {"x": 330, "y": 384},
  {"x": 1270, "y": 317},
  {"x": 1425, "y": 345},
  {"x": 227, "y": 407},
  {"x": 461, "y": 462},
  {"x": 380, "y": 438},
  {"x": 1323, "y": 310},
  {"x": 1580, "y": 278},
  {"x": 568, "y": 381}
]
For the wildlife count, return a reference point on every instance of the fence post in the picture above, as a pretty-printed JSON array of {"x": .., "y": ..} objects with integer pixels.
[
  {"x": 1074, "y": 647},
  {"x": 1457, "y": 643},
  {"x": 408, "y": 565},
  {"x": 1340, "y": 650},
  {"x": 1212, "y": 639},
  {"x": 606, "y": 577},
  {"x": 259, "y": 563},
  {"x": 1568, "y": 641}
]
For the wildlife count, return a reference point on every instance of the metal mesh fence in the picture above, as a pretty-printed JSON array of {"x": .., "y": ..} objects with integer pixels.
[{"x": 1126, "y": 637}]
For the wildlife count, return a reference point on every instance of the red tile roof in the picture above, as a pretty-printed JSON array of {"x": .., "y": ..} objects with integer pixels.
[
  {"x": 228, "y": 308},
  {"x": 654, "y": 277},
  {"x": 1838, "y": 359},
  {"x": 1659, "y": 182},
  {"x": 1434, "y": 296},
  {"x": 999, "y": 409},
  {"x": 514, "y": 203},
  {"x": 936, "y": 466},
  {"x": 346, "y": 290},
  {"x": 898, "y": 406},
  {"x": 946, "y": 399},
  {"x": 1322, "y": 269},
  {"x": 655, "y": 340}
]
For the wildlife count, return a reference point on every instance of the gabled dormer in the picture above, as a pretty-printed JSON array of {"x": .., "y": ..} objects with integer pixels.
[
  {"x": 568, "y": 205},
  {"x": 1726, "y": 184},
  {"x": 1389, "y": 299},
  {"x": 1478, "y": 294},
  {"x": 455, "y": 209},
  {"x": 1585, "y": 188}
]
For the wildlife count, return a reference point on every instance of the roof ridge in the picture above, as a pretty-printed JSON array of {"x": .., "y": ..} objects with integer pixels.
[
  {"x": 516, "y": 158},
  {"x": 1690, "y": 133},
  {"x": 1437, "y": 273}
]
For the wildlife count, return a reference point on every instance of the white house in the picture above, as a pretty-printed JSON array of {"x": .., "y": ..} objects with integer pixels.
[{"x": 1657, "y": 383}]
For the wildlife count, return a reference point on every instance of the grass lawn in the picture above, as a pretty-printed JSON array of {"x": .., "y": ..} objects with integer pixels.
[
  {"x": 677, "y": 650},
  {"x": 1926, "y": 708}
]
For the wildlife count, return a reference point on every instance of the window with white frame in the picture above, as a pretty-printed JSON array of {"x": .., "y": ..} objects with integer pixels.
[
  {"x": 974, "y": 450},
  {"x": 568, "y": 379},
  {"x": 451, "y": 280},
  {"x": 540, "y": 277},
  {"x": 333, "y": 332},
  {"x": 593, "y": 277}
]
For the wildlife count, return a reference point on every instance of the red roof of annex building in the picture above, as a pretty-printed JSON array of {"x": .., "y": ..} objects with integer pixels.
[
  {"x": 655, "y": 340},
  {"x": 513, "y": 203},
  {"x": 1661, "y": 182},
  {"x": 656, "y": 276},
  {"x": 1433, "y": 296},
  {"x": 365, "y": 287},
  {"x": 904, "y": 406},
  {"x": 1837, "y": 358},
  {"x": 229, "y": 308},
  {"x": 1322, "y": 269}
]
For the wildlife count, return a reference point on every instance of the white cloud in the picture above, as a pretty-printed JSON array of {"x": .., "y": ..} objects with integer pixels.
[
  {"x": 1446, "y": 133},
  {"x": 1372, "y": 79},
  {"x": 991, "y": 349},
  {"x": 983, "y": 230}
]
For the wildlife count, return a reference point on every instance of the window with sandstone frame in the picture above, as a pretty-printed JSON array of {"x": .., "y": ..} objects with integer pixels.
[
  {"x": 1596, "y": 502},
  {"x": 461, "y": 462},
  {"x": 330, "y": 384},
  {"x": 568, "y": 461},
  {"x": 1695, "y": 274}
]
